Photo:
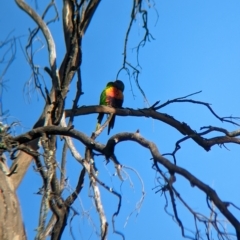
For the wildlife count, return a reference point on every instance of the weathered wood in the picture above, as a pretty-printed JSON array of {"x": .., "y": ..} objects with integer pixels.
[{"x": 11, "y": 224}]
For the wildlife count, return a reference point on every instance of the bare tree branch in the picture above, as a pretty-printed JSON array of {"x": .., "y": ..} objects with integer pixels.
[{"x": 47, "y": 34}]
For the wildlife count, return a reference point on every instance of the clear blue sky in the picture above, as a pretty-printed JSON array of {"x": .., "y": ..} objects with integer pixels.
[{"x": 196, "y": 47}]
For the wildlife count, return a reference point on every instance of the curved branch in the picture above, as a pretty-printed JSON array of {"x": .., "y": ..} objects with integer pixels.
[
  {"x": 149, "y": 112},
  {"x": 88, "y": 14},
  {"x": 159, "y": 159},
  {"x": 48, "y": 36},
  {"x": 108, "y": 151},
  {"x": 89, "y": 142},
  {"x": 180, "y": 100},
  {"x": 55, "y": 130},
  {"x": 136, "y": 137}
]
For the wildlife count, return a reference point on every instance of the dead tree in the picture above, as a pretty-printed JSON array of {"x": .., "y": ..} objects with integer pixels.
[{"x": 39, "y": 144}]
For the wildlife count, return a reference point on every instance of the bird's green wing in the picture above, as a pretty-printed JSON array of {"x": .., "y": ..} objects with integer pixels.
[{"x": 103, "y": 98}]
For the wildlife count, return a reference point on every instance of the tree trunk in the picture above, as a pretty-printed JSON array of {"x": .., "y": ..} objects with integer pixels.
[{"x": 11, "y": 224}]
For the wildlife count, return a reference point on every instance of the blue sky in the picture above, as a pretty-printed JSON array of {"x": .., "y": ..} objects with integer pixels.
[{"x": 196, "y": 47}]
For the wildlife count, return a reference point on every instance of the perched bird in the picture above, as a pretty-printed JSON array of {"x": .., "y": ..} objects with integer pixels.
[{"x": 112, "y": 96}]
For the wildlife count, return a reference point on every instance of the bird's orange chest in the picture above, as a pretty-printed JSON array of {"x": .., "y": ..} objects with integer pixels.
[{"x": 113, "y": 92}]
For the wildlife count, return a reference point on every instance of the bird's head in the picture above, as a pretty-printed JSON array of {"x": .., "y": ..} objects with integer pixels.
[
  {"x": 119, "y": 85},
  {"x": 109, "y": 84}
]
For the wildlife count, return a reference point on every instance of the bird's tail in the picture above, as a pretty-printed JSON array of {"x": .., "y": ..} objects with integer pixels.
[
  {"x": 99, "y": 120},
  {"x": 111, "y": 123}
]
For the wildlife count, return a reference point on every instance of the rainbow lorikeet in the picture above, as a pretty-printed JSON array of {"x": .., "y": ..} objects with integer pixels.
[{"x": 112, "y": 96}]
